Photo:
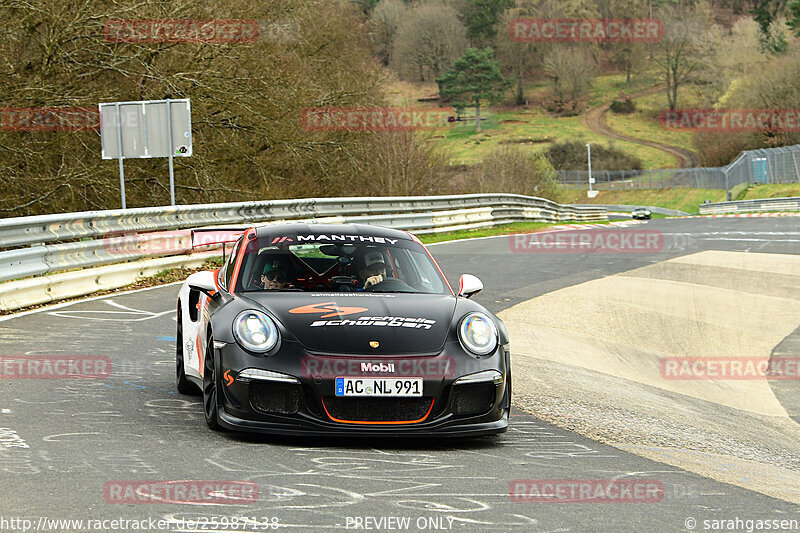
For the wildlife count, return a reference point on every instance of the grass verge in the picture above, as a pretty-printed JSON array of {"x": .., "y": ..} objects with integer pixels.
[
  {"x": 536, "y": 129},
  {"x": 645, "y": 123},
  {"x": 687, "y": 200},
  {"x": 529, "y": 125},
  {"x": 784, "y": 190}
]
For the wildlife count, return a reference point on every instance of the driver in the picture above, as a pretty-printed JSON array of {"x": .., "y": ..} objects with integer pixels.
[
  {"x": 374, "y": 269},
  {"x": 273, "y": 277}
]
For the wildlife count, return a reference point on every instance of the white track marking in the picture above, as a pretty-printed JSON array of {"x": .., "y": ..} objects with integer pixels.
[
  {"x": 84, "y": 300},
  {"x": 125, "y": 313}
]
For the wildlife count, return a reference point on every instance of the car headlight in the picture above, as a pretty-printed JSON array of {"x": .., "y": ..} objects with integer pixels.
[
  {"x": 255, "y": 331},
  {"x": 478, "y": 333}
]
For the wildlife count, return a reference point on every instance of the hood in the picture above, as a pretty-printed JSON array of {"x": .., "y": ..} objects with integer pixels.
[{"x": 352, "y": 323}]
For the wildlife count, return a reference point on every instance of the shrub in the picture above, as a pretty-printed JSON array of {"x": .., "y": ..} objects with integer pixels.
[
  {"x": 625, "y": 106},
  {"x": 571, "y": 155},
  {"x": 563, "y": 107},
  {"x": 512, "y": 169}
]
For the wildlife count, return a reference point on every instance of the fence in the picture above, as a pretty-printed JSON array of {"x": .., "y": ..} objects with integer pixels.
[
  {"x": 46, "y": 244},
  {"x": 667, "y": 178},
  {"x": 768, "y": 165}
]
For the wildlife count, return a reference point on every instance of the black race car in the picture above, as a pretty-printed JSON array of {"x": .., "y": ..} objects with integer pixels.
[{"x": 341, "y": 330}]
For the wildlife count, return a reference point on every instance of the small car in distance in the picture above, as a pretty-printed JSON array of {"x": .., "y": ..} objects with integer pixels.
[
  {"x": 641, "y": 213},
  {"x": 314, "y": 329}
]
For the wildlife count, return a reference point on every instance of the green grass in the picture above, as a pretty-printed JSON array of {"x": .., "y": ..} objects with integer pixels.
[
  {"x": 609, "y": 87},
  {"x": 785, "y": 190},
  {"x": 738, "y": 192},
  {"x": 687, "y": 200},
  {"x": 534, "y": 128},
  {"x": 682, "y": 199},
  {"x": 645, "y": 124}
]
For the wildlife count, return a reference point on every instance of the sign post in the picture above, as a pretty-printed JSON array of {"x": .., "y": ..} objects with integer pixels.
[
  {"x": 146, "y": 129},
  {"x": 591, "y": 193},
  {"x": 121, "y": 166},
  {"x": 171, "y": 171}
]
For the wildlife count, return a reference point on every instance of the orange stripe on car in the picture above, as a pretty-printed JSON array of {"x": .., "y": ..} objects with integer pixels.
[
  {"x": 373, "y": 422},
  {"x": 236, "y": 268},
  {"x": 201, "y": 363}
]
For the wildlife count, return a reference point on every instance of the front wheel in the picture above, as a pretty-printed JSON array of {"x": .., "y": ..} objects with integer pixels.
[{"x": 210, "y": 388}]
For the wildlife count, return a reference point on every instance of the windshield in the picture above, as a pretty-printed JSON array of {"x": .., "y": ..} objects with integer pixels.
[{"x": 312, "y": 263}]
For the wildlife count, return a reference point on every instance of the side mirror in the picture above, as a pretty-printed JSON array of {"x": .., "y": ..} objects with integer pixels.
[
  {"x": 469, "y": 285},
  {"x": 203, "y": 282}
]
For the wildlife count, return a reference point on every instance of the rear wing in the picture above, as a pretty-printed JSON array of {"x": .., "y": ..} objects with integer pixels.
[{"x": 203, "y": 237}]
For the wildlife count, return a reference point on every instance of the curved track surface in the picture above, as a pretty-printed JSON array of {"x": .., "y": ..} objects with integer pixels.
[{"x": 80, "y": 435}]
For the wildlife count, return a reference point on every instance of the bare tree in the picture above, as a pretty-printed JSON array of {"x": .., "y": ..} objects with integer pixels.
[
  {"x": 678, "y": 53},
  {"x": 247, "y": 102},
  {"x": 571, "y": 69},
  {"x": 513, "y": 169},
  {"x": 404, "y": 163},
  {"x": 518, "y": 57},
  {"x": 733, "y": 55},
  {"x": 770, "y": 84},
  {"x": 627, "y": 55},
  {"x": 428, "y": 41},
  {"x": 385, "y": 19}
]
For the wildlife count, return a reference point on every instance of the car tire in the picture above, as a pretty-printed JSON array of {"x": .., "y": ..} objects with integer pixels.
[
  {"x": 210, "y": 388},
  {"x": 181, "y": 383}
]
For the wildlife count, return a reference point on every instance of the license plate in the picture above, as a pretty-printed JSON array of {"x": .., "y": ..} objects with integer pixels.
[{"x": 395, "y": 387}]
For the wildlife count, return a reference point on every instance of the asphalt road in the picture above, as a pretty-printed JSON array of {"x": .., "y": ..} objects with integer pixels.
[{"x": 63, "y": 441}]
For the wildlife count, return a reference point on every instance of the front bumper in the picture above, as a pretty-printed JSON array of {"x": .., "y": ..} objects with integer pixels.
[{"x": 296, "y": 395}]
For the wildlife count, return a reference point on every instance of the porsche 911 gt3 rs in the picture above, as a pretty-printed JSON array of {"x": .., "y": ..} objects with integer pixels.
[{"x": 340, "y": 330}]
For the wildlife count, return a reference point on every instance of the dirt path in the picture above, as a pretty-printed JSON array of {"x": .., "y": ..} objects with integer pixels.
[{"x": 594, "y": 119}]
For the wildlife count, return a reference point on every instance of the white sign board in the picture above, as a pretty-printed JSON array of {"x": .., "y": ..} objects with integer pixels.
[
  {"x": 151, "y": 128},
  {"x": 146, "y": 129}
]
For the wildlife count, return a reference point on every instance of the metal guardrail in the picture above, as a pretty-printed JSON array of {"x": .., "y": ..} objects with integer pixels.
[
  {"x": 23, "y": 231},
  {"x": 45, "y": 289},
  {"x": 743, "y": 206},
  {"x": 630, "y": 208},
  {"x": 43, "y": 259},
  {"x": 80, "y": 240}
]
